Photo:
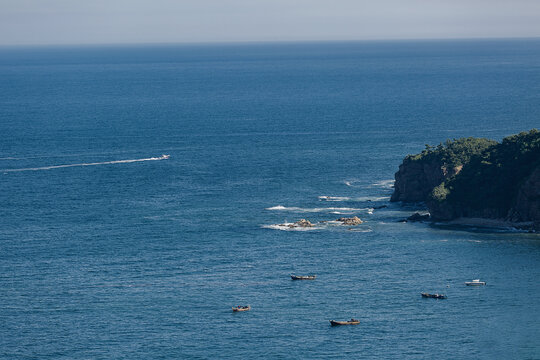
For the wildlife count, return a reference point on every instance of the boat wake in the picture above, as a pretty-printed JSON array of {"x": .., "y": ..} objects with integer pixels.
[{"x": 162, "y": 157}]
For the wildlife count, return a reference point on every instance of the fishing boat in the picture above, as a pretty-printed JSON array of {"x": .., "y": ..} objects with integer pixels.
[
  {"x": 303, "y": 277},
  {"x": 349, "y": 322},
  {"x": 434, "y": 296},
  {"x": 241, "y": 308},
  {"x": 475, "y": 282}
]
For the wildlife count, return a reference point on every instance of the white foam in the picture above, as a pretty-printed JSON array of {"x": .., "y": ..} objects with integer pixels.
[
  {"x": 387, "y": 184},
  {"x": 345, "y": 198},
  {"x": 360, "y": 230},
  {"x": 314, "y": 210},
  {"x": 326, "y": 225},
  {"x": 286, "y": 227},
  {"x": 333, "y": 198},
  {"x": 162, "y": 157},
  {"x": 278, "y": 207},
  {"x": 372, "y": 198},
  {"x": 351, "y": 182}
]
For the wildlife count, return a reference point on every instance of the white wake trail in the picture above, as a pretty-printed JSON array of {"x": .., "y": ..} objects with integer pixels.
[{"x": 162, "y": 157}]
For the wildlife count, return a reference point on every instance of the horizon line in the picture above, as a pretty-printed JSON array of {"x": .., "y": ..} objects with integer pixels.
[{"x": 262, "y": 42}]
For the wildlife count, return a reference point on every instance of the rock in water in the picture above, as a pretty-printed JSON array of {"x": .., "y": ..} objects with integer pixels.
[
  {"x": 301, "y": 223},
  {"x": 350, "y": 221},
  {"x": 418, "y": 217}
]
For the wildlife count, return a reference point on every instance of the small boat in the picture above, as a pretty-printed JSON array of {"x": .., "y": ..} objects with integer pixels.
[
  {"x": 303, "y": 277},
  {"x": 434, "y": 296},
  {"x": 475, "y": 282},
  {"x": 241, "y": 308},
  {"x": 349, "y": 322}
]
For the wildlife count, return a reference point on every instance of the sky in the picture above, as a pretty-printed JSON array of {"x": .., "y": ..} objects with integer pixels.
[{"x": 27, "y": 22}]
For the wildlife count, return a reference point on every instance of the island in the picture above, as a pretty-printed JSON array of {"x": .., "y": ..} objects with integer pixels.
[{"x": 476, "y": 181}]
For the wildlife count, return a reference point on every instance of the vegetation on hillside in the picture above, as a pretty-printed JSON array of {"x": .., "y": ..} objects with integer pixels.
[
  {"x": 453, "y": 153},
  {"x": 491, "y": 178}
]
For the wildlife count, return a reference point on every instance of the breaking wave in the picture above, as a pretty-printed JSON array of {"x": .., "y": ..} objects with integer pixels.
[
  {"x": 351, "y": 183},
  {"x": 345, "y": 198},
  {"x": 386, "y": 184},
  {"x": 334, "y": 198},
  {"x": 313, "y": 210},
  {"x": 332, "y": 225},
  {"x": 162, "y": 157},
  {"x": 286, "y": 227}
]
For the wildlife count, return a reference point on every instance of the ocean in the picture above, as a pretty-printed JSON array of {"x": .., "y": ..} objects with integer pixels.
[{"x": 142, "y": 188}]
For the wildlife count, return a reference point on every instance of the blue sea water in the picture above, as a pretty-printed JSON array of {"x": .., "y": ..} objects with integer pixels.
[{"x": 137, "y": 260}]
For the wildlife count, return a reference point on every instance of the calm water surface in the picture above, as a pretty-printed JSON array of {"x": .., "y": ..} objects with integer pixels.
[{"x": 138, "y": 260}]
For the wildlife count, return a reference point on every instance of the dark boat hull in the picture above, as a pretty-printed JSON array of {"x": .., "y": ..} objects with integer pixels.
[
  {"x": 309, "y": 277},
  {"x": 337, "y": 323},
  {"x": 434, "y": 296}
]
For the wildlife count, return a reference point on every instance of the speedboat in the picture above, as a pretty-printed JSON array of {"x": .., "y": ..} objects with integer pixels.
[
  {"x": 241, "y": 308},
  {"x": 303, "y": 277},
  {"x": 475, "y": 282},
  {"x": 349, "y": 322}
]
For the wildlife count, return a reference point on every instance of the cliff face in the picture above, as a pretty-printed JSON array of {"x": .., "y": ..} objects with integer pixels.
[
  {"x": 420, "y": 173},
  {"x": 416, "y": 179},
  {"x": 527, "y": 204},
  {"x": 525, "y": 209}
]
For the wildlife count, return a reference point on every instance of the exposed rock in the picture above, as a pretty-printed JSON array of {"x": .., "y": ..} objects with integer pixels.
[
  {"x": 301, "y": 223},
  {"x": 379, "y": 207},
  {"x": 350, "y": 221},
  {"x": 418, "y": 217}
]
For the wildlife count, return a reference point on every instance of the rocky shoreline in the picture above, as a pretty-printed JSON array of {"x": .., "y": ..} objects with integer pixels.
[{"x": 486, "y": 223}]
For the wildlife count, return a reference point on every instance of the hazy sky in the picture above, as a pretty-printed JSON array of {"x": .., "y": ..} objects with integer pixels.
[{"x": 149, "y": 21}]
